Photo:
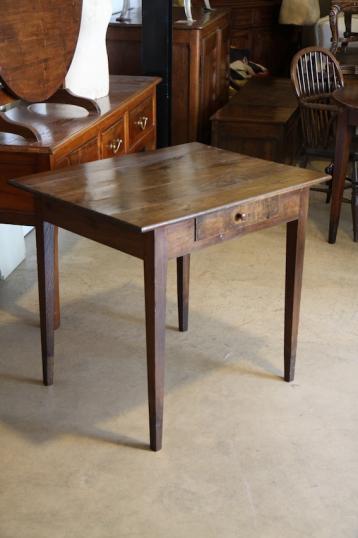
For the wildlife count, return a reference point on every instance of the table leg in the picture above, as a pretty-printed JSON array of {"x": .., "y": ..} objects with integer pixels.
[
  {"x": 155, "y": 279},
  {"x": 57, "y": 312},
  {"x": 183, "y": 278},
  {"x": 45, "y": 239},
  {"x": 341, "y": 158},
  {"x": 295, "y": 246}
]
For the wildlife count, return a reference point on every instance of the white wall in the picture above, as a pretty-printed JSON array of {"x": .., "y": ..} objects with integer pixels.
[{"x": 12, "y": 248}]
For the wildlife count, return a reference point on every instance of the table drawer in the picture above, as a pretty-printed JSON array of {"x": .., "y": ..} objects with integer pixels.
[
  {"x": 140, "y": 120},
  {"x": 112, "y": 140},
  {"x": 249, "y": 215}
]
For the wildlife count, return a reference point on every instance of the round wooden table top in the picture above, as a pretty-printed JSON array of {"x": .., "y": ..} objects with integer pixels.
[
  {"x": 347, "y": 96},
  {"x": 38, "y": 41}
]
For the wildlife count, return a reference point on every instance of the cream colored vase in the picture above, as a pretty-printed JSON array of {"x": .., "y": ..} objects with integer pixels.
[
  {"x": 88, "y": 75},
  {"x": 299, "y": 12}
]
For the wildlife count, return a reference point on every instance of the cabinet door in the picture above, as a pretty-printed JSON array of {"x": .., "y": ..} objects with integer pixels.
[{"x": 209, "y": 83}]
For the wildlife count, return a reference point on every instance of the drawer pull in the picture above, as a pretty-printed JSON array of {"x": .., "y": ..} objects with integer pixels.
[
  {"x": 115, "y": 145},
  {"x": 240, "y": 217},
  {"x": 142, "y": 122}
]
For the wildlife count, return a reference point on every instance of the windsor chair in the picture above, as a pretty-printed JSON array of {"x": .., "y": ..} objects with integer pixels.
[{"x": 316, "y": 74}]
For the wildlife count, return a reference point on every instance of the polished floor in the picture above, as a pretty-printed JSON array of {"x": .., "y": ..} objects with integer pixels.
[{"x": 245, "y": 454}]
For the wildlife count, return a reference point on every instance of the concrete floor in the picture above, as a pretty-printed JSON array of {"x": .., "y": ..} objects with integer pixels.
[{"x": 245, "y": 454}]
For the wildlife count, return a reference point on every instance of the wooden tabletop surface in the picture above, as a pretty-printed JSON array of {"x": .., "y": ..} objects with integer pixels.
[
  {"x": 54, "y": 128},
  {"x": 261, "y": 100},
  {"x": 347, "y": 96},
  {"x": 149, "y": 190}
]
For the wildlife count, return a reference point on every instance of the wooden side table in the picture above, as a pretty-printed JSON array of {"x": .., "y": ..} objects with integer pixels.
[
  {"x": 347, "y": 98},
  {"x": 167, "y": 204},
  {"x": 126, "y": 124},
  {"x": 262, "y": 120}
]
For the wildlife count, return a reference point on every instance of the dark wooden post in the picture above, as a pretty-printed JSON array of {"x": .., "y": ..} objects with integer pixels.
[{"x": 157, "y": 58}]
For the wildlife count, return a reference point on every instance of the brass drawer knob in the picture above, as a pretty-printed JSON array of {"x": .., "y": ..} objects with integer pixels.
[
  {"x": 142, "y": 122},
  {"x": 240, "y": 217},
  {"x": 115, "y": 145}
]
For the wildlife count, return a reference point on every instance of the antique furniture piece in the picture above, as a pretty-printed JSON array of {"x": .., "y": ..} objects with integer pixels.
[
  {"x": 163, "y": 205},
  {"x": 200, "y": 67},
  {"x": 348, "y": 7},
  {"x": 347, "y": 99},
  {"x": 316, "y": 75},
  {"x": 255, "y": 28},
  {"x": 69, "y": 135},
  {"x": 262, "y": 120}
]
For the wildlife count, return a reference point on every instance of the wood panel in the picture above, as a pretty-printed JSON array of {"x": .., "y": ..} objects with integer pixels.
[{"x": 37, "y": 45}]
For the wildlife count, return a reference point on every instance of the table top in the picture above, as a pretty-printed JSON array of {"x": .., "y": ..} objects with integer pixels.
[
  {"x": 347, "y": 96},
  {"x": 55, "y": 128},
  {"x": 261, "y": 100},
  {"x": 149, "y": 190}
]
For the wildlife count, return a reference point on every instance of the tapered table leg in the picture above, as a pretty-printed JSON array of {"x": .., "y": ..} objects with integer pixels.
[
  {"x": 341, "y": 158},
  {"x": 295, "y": 246},
  {"x": 57, "y": 310},
  {"x": 155, "y": 279},
  {"x": 183, "y": 278},
  {"x": 45, "y": 237}
]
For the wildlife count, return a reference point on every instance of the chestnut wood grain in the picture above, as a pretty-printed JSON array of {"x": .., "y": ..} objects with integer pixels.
[
  {"x": 167, "y": 204},
  {"x": 38, "y": 41}
]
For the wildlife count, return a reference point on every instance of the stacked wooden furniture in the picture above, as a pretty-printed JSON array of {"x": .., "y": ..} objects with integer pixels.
[
  {"x": 262, "y": 120},
  {"x": 255, "y": 28},
  {"x": 200, "y": 67},
  {"x": 348, "y": 7}
]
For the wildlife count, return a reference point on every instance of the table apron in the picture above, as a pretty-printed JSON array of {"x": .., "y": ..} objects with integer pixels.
[
  {"x": 102, "y": 229},
  {"x": 223, "y": 225}
]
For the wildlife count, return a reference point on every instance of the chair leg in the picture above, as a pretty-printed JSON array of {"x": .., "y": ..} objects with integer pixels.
[{"x": 354, "y": 201}]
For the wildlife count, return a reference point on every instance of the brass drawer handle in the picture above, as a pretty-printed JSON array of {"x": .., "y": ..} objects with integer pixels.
[
  {"x": 142, "y": 122},
  {"x": 240, "y": 217},
  {"x": 115, "y": 145}
]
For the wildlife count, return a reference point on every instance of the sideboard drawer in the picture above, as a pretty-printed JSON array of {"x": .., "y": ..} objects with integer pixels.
[
  {"x": 112, "y": 140},
  {"x": 250, "y": 215},
  {"x": 140, "y": 120},
  {"x": 86, "y": 153}
]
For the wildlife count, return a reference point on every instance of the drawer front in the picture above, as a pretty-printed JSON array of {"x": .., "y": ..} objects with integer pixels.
[
  {"x": 84, "y": 154},
  {"x": 112, "y": 140},
  {"x": 247, "y": 216},
  {"x": 140, "y": 120}
]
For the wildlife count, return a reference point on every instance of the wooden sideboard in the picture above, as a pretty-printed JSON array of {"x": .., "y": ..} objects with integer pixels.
[
  {"x": 200, "y": 67},
  {"x": 255, "y": 27},
  {"x": 126, "y": 124}
]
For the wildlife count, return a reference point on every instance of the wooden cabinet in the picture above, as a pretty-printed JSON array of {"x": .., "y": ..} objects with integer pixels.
[
  {"x": 255, "y": 28},
  {"x": 120, "y": 128},
  {"x": 200, "y": 67}
]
